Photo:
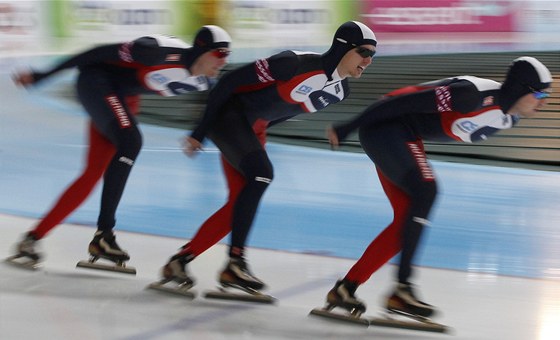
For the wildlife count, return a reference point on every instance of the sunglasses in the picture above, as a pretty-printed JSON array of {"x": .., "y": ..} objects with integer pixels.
[
  {"x": 365, "y": 52},
  {"x": 539, "y": 94},
  {"x": 221, "y": 53}
]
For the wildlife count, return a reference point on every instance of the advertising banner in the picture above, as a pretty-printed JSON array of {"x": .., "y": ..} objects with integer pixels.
[
  {"x": 262, "y": 27},
  {"x": 22, "y": 26},
  {"x": 99, "y": 21},
  {"x": 440, "y": 15},
  {"x": 282, "y": 24},
  {"x": 110, "y": 20},
  {"x": 540, "y": 16}
]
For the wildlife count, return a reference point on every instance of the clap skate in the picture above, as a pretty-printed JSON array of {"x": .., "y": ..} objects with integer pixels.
[
  {"x": 236, "y": 276},
  {"x": 26, "y": 255},
  {"x": 342, "y": 296},
  {"x": 104, "y": 246},
  {"x": 402, "y": 306},
  {"x": 174, "y": 272}
]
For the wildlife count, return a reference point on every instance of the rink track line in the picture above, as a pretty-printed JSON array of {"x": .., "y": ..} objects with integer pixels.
[{"x": 226, "y": 311}]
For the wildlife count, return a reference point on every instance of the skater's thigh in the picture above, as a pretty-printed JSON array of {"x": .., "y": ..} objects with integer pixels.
[
  {"x": 107, "y": 108},
  {"x": 387, "y": 145},
  {"x": 233, "y": 135}
]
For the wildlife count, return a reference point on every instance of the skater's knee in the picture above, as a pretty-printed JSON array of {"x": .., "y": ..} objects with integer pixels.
[
  {"x": 256, "y": 168},
  {"x": 422, "y": 194},
  {"x": 422, "y": 204},
  {"x": 129, "y": 145},
  {"x": 427, "y": 192},
  {"x": 133, "y": 141},
  {"x": 420, "y": 189}
]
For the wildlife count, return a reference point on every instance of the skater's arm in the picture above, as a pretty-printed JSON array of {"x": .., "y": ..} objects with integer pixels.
[
  {"x": 145, "y": 50},
  {"x": 388, "y": 108},
  {"x": 105, "y": 53},
  {"x": 251, "y": 77},
  {"x": 458, "y": 97},
  {"x": 152, "y": 50}
]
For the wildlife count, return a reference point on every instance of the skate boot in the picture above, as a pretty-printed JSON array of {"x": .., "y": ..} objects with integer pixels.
[
  {"x": 403, "y": 301},
  {"x": 26, "y": 255},
  {"x": 176, "y": 270},
  {"x": 237, "y": 275},
  {"x": 104, "y": 245},
  {"x": 342, "y": 295}
]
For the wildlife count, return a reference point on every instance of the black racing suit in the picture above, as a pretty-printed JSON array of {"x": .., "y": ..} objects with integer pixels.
[
  {"x": 391, "y": 132},
  {"x": 110, "y": 75},
  {"x": 271, "y": 90}
]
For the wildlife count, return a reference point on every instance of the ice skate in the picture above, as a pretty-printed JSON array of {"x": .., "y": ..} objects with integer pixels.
[
  {"x": 404, "y": 303},
  {"x": 26, "y": 254},
  {"x": 104, "y": 246},
  {"x": 175, "y": 279},
  {"x": 237, "y": 276},
  {"x": 342, "y": 296}
]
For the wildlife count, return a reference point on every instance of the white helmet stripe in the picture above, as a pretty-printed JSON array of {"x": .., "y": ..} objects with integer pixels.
[
  {"x": 219, "y": 34},
  {"x": 367, "y": 33},
  {"x": 542, "y": 71}
]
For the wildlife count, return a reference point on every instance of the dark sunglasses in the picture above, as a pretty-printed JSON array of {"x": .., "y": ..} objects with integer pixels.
[
  {"x": 539, "y": 94},
  {"x": 365, "y": 52},
  {"x": 221, "y": 53}
]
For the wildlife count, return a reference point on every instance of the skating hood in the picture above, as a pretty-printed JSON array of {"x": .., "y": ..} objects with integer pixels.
[{"x": 348, "y": 36}]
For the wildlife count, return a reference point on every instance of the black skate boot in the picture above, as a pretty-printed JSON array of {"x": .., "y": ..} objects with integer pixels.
[
  {"x": 26, "y": 253},
  {"x": 342, "y": 295},
  {"x": 104, "y": 245},
  {"x": 237, "y": 275},
  {"x": 403, "y": 301},
  {"x": 176, "y": 270}
]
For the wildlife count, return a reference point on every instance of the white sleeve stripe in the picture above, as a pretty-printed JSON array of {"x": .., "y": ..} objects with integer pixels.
[
  {"x": 124, "y": 52},
  {"x": 263, "y": 72}
]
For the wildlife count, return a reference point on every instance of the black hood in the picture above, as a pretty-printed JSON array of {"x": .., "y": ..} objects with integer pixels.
[
  {"x": 525, "y": 75},
  {"x": 348, "y": 36},
  {"x": 207, "y": 38}
]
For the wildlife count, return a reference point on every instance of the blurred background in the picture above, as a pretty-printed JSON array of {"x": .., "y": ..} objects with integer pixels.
[{"x": 261, "y": 26}]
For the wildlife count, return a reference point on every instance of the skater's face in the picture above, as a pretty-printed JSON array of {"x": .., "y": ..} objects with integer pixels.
[
  {"x": 355, "y": 61},
  {"x": 528, "y": 105},
  {"x": 211, "y": 62}
]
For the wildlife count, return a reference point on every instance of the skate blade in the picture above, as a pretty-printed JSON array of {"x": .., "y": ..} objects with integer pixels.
[
  {"x": 177, "y": 290},
  {"x": 106, "y": 267},
  {"x": 24, "y": 262},
  {"x": 418, "y": 323},
  {"x": 249, "y": 295},
  {"x": 324, "y": 313}
]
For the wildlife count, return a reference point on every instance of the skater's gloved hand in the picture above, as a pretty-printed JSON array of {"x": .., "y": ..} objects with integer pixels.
[
  {"x": 332, "y": 137},
  {"x": 191, "y": 146},
  {"x": 24, "y": 78}
]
